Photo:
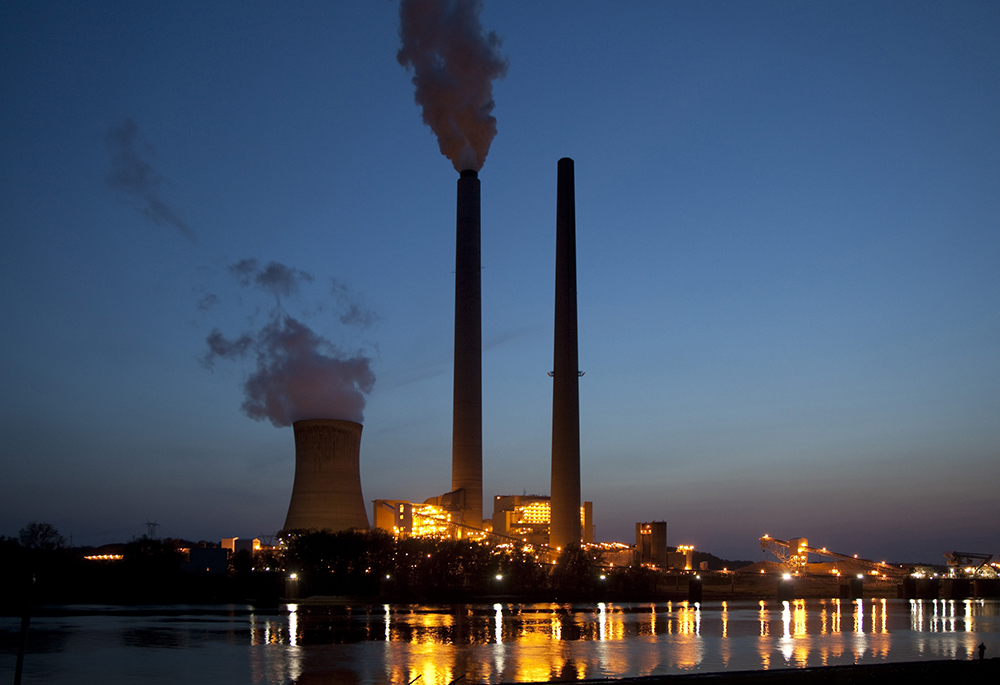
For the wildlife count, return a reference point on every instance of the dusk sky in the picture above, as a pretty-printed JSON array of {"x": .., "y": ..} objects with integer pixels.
[{"x": 788, "y": 236}]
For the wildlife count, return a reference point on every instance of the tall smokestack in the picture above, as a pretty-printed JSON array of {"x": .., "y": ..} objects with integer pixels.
[
  {"x": 467, "y": 420},
  {"x": 327, "y": 488},
  {"x": 565, "y": 502}
]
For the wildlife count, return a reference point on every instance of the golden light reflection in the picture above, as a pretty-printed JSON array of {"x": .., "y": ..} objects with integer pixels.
[
  {"x": 799, "y": 620},
  {"x": 689, "y": 619},
  {"x": 429, "y": 665},
  {"x": 509, "y": 643}
]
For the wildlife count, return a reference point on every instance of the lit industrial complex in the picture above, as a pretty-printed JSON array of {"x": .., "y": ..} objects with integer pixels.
[{"x": 327, "y": 488}]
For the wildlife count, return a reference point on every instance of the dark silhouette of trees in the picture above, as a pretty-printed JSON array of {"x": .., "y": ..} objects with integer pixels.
[
  {"x": 576, "y": 574},
  {"x": 343, "y": 563},
  {"x": 40, "y": 536}
]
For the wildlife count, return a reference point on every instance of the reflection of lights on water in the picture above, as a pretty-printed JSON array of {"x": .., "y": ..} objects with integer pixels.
[
  {"x": 294, "y": 652},
  {"x": 529, "y": 644},
  {"x": 293, "y": 625},
  {"x": 498, "y": 650},
  {"x": 785, "y": 644},
  {"x": 917, "y": 615},
  {"x": 799, "y": 618}
]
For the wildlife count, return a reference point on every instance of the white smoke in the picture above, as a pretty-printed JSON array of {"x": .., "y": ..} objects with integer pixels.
[{"x": 454, "y": 64}]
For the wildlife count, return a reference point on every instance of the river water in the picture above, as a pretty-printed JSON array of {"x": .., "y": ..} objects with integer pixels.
[{"x": 296, "y": 643}]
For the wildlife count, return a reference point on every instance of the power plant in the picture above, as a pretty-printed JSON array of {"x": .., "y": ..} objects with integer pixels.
[{"x": 327, "y": 489}]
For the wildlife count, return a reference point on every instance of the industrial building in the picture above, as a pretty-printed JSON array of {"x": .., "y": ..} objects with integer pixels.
[
  {"x": 402, "y": 518},
  {"x": 529, "y": 518},
  {"x": 651, "y": 544}
]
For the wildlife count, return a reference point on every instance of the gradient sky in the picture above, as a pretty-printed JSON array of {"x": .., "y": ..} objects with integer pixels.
[{"x": 788, "y": 225}]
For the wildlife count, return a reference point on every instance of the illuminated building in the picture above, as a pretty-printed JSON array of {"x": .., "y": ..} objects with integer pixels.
[
  {"x": 651, "y": 543},
  {"x": 410, "y": 519},
  {"x": 528, "y": 518},
  {"x": 236, "y": 545}
]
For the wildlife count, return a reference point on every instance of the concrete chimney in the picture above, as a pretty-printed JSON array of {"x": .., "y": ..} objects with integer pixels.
[
  {"x": 565, "y": 503},
  {"x": 467, "y": 420},
  {"x": 327, "y": 488}
]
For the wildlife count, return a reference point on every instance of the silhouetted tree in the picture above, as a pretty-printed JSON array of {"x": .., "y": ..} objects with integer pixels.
[
  {"x": 40, "y": 536},
  {"x": 576, "y": 573},
  {"x": 633, "y": 583}
]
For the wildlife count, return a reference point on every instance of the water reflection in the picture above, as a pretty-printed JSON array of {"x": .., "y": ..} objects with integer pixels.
[{"x": 435, "y": 644}]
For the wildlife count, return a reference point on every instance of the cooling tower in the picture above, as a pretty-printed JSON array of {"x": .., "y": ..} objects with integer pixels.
[
  {"x": 327, "y": 489},
  {"x": 467, "y": 420},
  {"x": 565, "y": 502}
]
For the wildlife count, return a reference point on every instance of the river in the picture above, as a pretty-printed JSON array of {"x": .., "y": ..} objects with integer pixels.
[{"x": 436, "y": 644}]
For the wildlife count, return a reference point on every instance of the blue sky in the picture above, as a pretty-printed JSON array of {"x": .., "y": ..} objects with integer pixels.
[{"x": 788, "y": 248}]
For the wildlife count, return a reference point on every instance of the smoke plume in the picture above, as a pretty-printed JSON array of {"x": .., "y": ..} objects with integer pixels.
[
  {"x": 454, "y": 64},
  {"x": 137, "y": 179},
  {"x": 275, "y": 278},
  {"x": 355, "y": 314},
  {"x": 297, "y": 373}
]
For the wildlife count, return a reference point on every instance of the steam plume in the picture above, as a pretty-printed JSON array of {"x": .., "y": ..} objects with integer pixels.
[
  {"x": 355, "y": 314},
  {"x": 298, "y": 374},
  {"x": 275, "y": 278},
  {"x": 135, "y": 177},
  {"x": 454, "y": 64}
]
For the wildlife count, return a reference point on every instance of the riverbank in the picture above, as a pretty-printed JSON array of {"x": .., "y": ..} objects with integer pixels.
[{"x": 911, "y": 673}]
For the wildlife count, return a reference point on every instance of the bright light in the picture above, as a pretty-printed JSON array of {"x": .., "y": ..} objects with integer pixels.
[
  {"x": 293, "y": 576},
  {"x": 861, "y": 576},
  {"x": 787, "y": 576},
  {"x": 603, "y": 577},
  {"x": 499, "y": 577}
]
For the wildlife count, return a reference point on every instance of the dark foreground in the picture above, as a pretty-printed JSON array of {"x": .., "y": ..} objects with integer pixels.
[{"x": 985, "y": 671}]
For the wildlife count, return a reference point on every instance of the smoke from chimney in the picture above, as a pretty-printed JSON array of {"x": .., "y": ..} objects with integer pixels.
[
  {"x": 298, "y": 374},
  {"x": 133, "y": 176},
  {"x": 454, "y": 64}
]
